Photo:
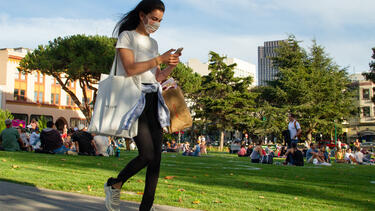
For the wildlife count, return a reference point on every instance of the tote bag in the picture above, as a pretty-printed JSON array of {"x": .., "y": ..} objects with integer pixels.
[
  {"x": 180, "y": 114},
  {"x": 116, "y": 96}
]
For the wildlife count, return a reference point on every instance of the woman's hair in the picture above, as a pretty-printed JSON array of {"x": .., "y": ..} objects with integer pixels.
[{"x": 130, "y": 20}]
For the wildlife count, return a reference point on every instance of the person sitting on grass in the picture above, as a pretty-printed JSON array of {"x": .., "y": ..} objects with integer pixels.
[
  {"x": 51, "y": 141},
  {"x": 242, "y": 152},
  {"x": 323, "y": 154},
  {"x": 312, "y": 156},
  {"x": 10, "y": 138},
  {"x": 203, "y": 147},
  {"x": 256, "y": 155},
  {"x": 84, "y": 141},
  {"x": 172, "y": 147},
  {"x": 359, "y": 156},
  {"x": 35, "y": 140},
  {"x": 197, "y": 149},
  {"x": 339, "y": 155},
  {"x": 249, "y": 150},
  {"x": 350, "y": 157},
  {"x": 25, "y": 139},
  {"x": 294, "y": 156}
]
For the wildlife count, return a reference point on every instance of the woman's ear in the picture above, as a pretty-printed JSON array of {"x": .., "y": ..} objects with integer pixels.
[{"x": 142, "y": 15}]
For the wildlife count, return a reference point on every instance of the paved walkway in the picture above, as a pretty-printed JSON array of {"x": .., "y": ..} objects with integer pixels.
[{"x": 15, "y": 197}]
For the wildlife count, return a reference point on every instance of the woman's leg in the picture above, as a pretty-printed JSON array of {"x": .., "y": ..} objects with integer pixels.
[{"x": 145, "y": 145}]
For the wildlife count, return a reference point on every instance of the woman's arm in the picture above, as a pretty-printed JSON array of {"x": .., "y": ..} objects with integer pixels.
[
  {"x": 135, "y": 68},
  {"x": 162, "y": 75}
]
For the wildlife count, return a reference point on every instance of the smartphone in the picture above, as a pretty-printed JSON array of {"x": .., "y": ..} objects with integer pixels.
[{"x": 178, "y": 51}]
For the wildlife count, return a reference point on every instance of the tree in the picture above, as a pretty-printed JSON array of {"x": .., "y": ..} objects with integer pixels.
[
  {"x": 371, "y": 75},
  {"x": 312, "y": 86},
  {"x": 226, "y": 101},
  {"x": 78, "y": 58}
]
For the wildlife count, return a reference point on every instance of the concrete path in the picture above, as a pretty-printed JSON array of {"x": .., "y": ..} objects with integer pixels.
[{"x": 15, "y": 197}]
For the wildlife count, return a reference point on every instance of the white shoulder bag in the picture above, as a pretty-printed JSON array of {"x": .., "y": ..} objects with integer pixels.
[{"x": 116, "y": 96}]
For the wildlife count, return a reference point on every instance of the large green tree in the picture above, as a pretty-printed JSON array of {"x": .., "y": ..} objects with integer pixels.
[
  {"x": 78, "y": 58},
  {"x": 311, "y": 85},
  {"x": 226, "y": 101}
]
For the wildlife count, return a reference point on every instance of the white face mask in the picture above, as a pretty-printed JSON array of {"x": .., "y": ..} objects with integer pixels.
[{"x": 151, "y": 28}]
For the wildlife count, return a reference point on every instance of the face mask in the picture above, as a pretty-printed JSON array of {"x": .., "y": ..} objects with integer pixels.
[{"x": 151, "y": 28}]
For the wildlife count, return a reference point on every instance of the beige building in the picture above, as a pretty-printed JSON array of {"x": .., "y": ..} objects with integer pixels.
[
  {"x": 242, "y": 69},
  {"x": 30, "y": 96},
  {"x": 364, "y": 123}
]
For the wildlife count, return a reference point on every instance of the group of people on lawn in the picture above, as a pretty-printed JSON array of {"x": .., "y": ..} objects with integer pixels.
[
  {"x": 314, "y": 154},
  {"x": 73, "y": 141},
  {"x": 197, "y": 150}
]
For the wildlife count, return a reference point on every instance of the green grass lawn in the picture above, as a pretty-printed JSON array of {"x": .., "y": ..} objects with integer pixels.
[{"x": 217, "y": 182}]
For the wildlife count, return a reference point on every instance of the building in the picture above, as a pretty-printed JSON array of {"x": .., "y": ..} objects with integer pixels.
[
  {"x": 242, "y": 69},
  {"x": 30, "y": 96},
  {"x": 266, "y": 71},
  {"x": 364, "y": 122}
]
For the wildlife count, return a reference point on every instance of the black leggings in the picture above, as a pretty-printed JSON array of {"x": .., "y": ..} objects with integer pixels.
[{"x": 149, "y": 141}]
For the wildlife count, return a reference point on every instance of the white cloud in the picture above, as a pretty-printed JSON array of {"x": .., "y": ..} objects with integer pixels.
[{"x": 31, "y": 32}]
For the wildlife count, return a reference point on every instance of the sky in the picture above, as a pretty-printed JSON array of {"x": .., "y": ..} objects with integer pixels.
[{"x": 346, "y": 28}]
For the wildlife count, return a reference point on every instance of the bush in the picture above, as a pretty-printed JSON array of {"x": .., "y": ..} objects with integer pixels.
[
  {"x": 42, "y": 123},
  {"x": 4, "y": 114}
]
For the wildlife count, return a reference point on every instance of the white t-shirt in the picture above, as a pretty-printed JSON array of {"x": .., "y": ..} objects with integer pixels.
[
  {"x": 293, "y": 130},
  {"x": 144, "y": 48},
  {"x": 347, "y": 156},
  {"x": 359, "y": 157}
]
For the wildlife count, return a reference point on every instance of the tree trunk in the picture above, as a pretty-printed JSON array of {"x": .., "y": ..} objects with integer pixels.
[
  {"x": 221, "y": 141},
  {"x": 309, "y": 135}
]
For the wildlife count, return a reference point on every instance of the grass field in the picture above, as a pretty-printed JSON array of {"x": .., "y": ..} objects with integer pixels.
[{"x": 216, "y": 182}]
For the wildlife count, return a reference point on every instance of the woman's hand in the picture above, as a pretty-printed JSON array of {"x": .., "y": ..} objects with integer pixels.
[{"x": 169, "y": 58}]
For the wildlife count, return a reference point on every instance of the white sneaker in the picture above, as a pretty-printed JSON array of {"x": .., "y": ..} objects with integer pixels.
[
  {"x": 326, "y": 164},
  {"x": 112, "y": 198},
  {"x": 315, "y": 161}
]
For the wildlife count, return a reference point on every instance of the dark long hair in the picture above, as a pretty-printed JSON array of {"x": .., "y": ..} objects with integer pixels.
[{"x": 131, "y": 20}]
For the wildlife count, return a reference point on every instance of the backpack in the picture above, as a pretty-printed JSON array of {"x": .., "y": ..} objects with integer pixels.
[
  {"x": 295, "y": 127},
  {"x": 298, "y": 158}
]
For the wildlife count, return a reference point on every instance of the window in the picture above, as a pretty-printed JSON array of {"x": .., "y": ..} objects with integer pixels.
[
  {"x": 16, "y": 94},
  {"x": 23, "y": 76},
  {"x": 37, "y": 117},
  {"x": 74, "y": 122},
  {"x": 35, "y": 96},
  {"x": 16, "y": 75},
  {"x": 366, "y": 111},
  {"x": 52, "y": 98},
  {"x": 57, "y": 99},
  {"x": 366, "y": 94},
  {"x": 40, "y": 97},
  {"x": 19, "y": 94},
  {"x": 40, "y": 78},
  {"x": 22, "y": 95},
  {"x": 23, "y": 117}
]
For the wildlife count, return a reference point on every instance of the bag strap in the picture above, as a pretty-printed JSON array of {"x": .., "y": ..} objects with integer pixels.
[{"x": 114, "y": 66}]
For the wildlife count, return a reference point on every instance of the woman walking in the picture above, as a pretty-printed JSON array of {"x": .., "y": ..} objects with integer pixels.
[{"x": 138, "y": 57}]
